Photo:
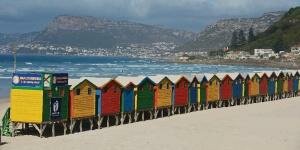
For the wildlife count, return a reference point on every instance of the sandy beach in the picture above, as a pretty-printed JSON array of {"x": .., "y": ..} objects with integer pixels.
[{"x": 271, "y": 125}]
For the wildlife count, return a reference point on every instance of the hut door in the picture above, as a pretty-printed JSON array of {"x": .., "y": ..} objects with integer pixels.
[{"x": 55, "y": 108}]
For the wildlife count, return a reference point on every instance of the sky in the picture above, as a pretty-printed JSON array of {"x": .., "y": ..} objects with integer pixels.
[{"x": 20, "y": 16}]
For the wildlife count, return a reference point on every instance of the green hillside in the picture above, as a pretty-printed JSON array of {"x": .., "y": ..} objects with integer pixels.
[{"x": 280, "y": 36}]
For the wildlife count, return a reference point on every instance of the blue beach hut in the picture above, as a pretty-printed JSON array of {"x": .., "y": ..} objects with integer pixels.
[{"x": 237, "y": 86}]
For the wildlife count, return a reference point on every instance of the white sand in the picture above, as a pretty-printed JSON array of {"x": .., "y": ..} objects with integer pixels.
[{"x": 266, "y": 126}]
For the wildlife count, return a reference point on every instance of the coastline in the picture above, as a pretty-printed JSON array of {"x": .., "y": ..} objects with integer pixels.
[
  {"x": 250, "y": 63},
  {"x": 270, "y": 125}
]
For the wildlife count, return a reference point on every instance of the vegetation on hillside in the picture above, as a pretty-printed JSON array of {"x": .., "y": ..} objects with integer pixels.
[{"x": 280, "y": 36}]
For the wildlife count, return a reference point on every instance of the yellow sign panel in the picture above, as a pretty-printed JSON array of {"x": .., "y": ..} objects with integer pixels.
[{"x": 26, "y": 105}]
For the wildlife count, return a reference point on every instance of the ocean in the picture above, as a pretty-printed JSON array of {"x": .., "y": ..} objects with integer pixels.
[{"x": 78, "y": 66}]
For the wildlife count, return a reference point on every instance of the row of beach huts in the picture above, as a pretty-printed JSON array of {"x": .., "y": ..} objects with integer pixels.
[{"x": 43, "y": 100}]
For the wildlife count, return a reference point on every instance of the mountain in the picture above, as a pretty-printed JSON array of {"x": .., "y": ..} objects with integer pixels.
[
  {"x": 218, "y": 35},
  {"x": 281, "y": 35},
  {"x": 16, "y": 37},
  {"x": 91, "y": 32}
]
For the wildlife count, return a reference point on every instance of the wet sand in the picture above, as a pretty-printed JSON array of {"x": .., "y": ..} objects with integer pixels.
[{"x": 271, "y": 125}]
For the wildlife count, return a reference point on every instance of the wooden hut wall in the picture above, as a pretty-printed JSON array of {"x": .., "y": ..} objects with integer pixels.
[
  {"x": 203, "y": 91},
  {"x": 263, "y": 85},
  {"x": 213, "y": 90},
  {"x": 295, "y": 82},
  {"x": 83, "y": 100},
  {"x": 237, "y": 87},
  {"x": 127, "y": 104},
  {"x": 280, "y": 82},
  {"x": 163, "y": 94},
  {"x": 193, "y": 99},
  {"x": 254, "y": 86},
  {"x": 290, "y": 83},
  {"x": 285, "y": 83},
  {"x": 145, "y": 95},
  {"x": 272, "y": 85},
  {"x": 111, "y": 98},
  {"x": 226, "y": 88},
  {"x": 181, "y": 92}
]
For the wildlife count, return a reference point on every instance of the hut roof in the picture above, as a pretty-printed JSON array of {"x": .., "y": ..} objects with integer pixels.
[
  {"x": 221, "y": 76},
  {"x": 210, "y": 76},
  {"x": 75, "y": 82},
  {"x": 252, "y": 74},
  {"x": 157, "y": 78},
  {"x": 176, "y": 78},
  {"x": 99, "y": 82},
  {"x": 126, "y": 80},
  {"x": 191, "y": 78}
]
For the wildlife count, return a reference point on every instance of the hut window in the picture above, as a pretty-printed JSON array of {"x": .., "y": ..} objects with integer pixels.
[
  {"x": 210, "y": 83},
  {"x": 77, "y": 91},
  {"x": 150, "y": 87},
  {"x": 185, "y": 84},
  {"x": 89, "y": 91},
  {"x": 62, "y": 92},
  {"x": 194, "y": 85},
  {"x": 160, "y": 86},
  {"x": 168, "y": 85}
]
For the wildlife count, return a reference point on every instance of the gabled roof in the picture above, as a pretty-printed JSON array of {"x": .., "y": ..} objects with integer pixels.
[
  {"x": 222, "y": 76},
  {"x": 99, "y": 82},
  {"x": 176, "y": 78},
  {"x": 209, "y": 76},
  {"x": 125, "y": 80},
  {"x": 75, "y": 82},
  {"x": 252, "y": 74},
  {"x": 191, "y": 78},
  {"x": 235, "y": 75},
  {"x": 158, "y": 78}
]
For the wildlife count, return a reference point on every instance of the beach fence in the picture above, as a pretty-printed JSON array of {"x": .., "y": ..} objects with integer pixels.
[{"x": 42, "y": 100}]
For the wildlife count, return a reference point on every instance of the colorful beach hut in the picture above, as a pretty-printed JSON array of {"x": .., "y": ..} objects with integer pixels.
[
  {"x": 202, "y": 96},
  {"x": 128, "y": 97},
  {"x": 212, "y": 90},
  {"x": 296, "y": 80},
  {"x": 39, "y": 99},
  {"x": 253, "y": 87},
  {"x": 225, "y": 89},
  {"x": 272, "y": 82},
  {"x": 181, "y": 92},
  {"x": 290, "y": 77},
  {"x": 144, "y": 102},
  {"x": 109, "y": 98},
  {"x": 237, "y": 87},
  {"x": 163, "y": 95},
  {"x": 194, "y": 88},
  {"x": 280, "y": 83},
  {"x": 263, "y": 85},
  {"x": 82, "y": 102}
]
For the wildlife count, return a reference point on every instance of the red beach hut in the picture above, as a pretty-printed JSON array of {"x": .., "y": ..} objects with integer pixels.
[
  {"x": 181, "y": 91},
  {"x": 263, "y": 84},
  {"x": 225, "y": 88}
]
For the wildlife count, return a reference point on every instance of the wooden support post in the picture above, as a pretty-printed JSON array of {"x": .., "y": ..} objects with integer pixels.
[
  {"x": 80, "y": 125},
  {"x": 107, "y": 121},
  {"x": 65, "y": 127},
  {"x": 91, "y": 123},
  {"x": 53, "y": 129},
  {"x": 143, "y": 115},
  {"x": 136, "y": 115},
  {"x": 122, "y": 118},
  {"x": 151, "y": 115},
  {"x": 117, "y": 120},
  {"x": 169, "y": 112},
  {"x": 72, "y": 125},
  {"x": 155, "y": 113},
  {"x": 130, "y": 119},
  {"x": 100, "y": 120},
  {"x": 162, "y": 113}
]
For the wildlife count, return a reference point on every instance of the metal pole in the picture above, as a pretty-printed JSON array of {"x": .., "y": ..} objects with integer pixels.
[{"x": 14, "y": 51}]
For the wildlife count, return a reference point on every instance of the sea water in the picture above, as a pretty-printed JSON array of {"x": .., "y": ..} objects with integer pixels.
[{"x": 78, "y": 66}]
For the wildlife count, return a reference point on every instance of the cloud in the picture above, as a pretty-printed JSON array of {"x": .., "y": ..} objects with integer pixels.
[{"x": 184, "y": 14}]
